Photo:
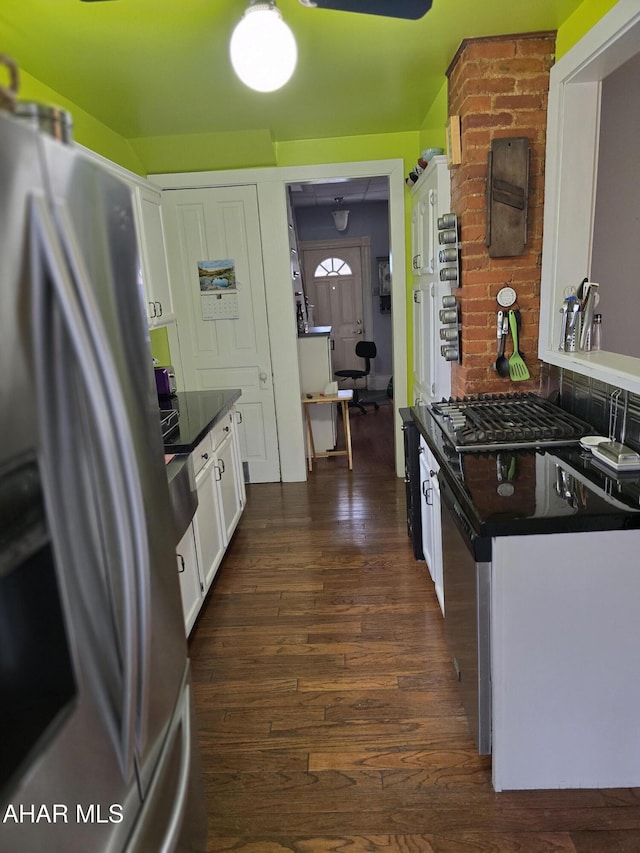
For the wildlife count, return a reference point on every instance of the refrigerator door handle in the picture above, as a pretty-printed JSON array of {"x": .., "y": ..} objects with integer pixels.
[
  {"x": 122, "y": 495},
  {"x": 135, "y": 521}
]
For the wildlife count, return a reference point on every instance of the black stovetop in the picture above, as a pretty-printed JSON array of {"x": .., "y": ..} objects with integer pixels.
[{"x": 532, "y": 490}]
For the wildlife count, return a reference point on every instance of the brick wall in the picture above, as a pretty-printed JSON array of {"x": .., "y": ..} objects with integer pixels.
[{"x": 499, "y": 87}]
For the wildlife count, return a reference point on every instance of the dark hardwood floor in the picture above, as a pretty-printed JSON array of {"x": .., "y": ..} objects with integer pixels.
[{"x": 327, "y": 704}]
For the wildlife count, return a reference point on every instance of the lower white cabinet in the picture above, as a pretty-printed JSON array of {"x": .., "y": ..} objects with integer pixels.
[
  {"x": 191, "y": 586},
  {"x": 316, "y": 370},
  {"x": 221, "y": 500},
  {"x": 210, "y": 541},
  {"x": 431, "y": 520},
  {"x": 230, "y": 504}
]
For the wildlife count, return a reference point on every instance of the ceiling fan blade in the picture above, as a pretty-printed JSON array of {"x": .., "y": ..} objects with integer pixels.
[{"x": 409, "y": 9}]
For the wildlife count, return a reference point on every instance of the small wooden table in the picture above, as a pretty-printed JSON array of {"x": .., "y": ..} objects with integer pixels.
[{"x": 343, "y": 398}]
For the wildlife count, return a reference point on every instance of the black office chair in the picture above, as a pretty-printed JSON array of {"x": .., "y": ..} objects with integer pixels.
[{"x": 366, "y": 350}]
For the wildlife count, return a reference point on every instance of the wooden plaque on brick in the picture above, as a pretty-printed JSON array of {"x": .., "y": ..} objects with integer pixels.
[{"x": 507, "y": 196}]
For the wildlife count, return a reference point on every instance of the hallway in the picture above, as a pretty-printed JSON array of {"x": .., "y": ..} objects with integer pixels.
[{"x": 327, "y": 703}]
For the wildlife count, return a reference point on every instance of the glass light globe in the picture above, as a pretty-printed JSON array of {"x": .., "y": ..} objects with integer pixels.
[{"x": 262, "y": 48}]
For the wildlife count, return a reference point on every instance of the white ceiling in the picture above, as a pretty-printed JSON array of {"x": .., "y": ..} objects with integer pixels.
[{"x": 352, "y": 191}]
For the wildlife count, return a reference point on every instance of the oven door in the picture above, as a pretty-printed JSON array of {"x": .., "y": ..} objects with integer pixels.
[{"x": 467, "y": 589}]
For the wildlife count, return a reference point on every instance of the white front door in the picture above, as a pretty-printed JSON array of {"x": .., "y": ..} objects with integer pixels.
[
  {"x": 225, "y": 342},
  {"x": 333, "y": 284}
]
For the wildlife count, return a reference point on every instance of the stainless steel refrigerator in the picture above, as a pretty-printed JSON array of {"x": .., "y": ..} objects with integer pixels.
[{"x": 97, "y": 740}]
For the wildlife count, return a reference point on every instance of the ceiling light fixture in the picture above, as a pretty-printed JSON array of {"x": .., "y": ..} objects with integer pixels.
[
  {"x": 262, "y": 48},
  {"x": 340, "y": 215}
]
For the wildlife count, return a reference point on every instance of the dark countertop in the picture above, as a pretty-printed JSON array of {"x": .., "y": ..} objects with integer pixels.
[
  {"x": 558, "y": 490},
  {"x": 199, "y": 411}
]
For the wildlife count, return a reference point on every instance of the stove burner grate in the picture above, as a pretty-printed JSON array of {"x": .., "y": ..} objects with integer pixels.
[{"x": 490, "y": 422}]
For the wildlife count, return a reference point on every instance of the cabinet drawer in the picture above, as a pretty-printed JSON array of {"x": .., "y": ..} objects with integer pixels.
[
  {"x": 202, "y": 454},
  {"x": 221, "y": 430}
]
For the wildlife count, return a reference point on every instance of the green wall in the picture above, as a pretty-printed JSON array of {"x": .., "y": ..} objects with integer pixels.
[
  {"x": 86, "y": 129},
  {"x": 255, "y": 148},
  {"x": 576, "y": 25}
]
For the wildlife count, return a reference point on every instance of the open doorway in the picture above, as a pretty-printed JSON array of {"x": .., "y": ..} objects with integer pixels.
[{"x": 344, "y": 264}]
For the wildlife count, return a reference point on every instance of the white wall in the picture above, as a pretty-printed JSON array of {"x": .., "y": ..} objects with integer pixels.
[{"x": 616, "y": 233}]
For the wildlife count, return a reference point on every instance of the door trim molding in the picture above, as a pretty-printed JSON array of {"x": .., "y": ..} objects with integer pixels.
[{"x": 272, "y": 203}]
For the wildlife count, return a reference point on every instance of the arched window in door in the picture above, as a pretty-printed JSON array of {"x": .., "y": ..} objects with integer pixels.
[{"x": 332, "y": 266}]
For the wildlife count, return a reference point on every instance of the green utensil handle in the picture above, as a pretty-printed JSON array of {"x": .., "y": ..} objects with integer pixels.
[{"x": 514, "y": 330}]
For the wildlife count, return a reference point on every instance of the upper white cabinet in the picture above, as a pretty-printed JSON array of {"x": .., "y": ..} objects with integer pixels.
[
  {"x": 431, "y": 199},
  {"x": 423, "y": 230},
  {"x": 155, "y": 276},
  {"x": 151, "y": 245},
  {"x": 573, "y": 157}
]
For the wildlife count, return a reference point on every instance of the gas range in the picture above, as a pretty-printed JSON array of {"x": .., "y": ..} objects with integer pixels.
[{"x": 490, "y": 422}]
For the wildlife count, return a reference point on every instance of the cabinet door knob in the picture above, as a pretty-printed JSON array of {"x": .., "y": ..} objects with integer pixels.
[
  {"x": 182, "y": 564},
  {"x": 205, "y": 455},
  {"x": 160, "y": 305}
]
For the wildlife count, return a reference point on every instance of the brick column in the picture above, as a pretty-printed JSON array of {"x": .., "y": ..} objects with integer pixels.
[{"x": 499, "y": 87}]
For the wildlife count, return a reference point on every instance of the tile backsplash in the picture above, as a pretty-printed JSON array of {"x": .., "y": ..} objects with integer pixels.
[{"x": 590, "y": 400}]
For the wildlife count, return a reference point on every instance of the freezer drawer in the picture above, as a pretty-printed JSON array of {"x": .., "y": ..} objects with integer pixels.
[{"x": 173, "y": 815}]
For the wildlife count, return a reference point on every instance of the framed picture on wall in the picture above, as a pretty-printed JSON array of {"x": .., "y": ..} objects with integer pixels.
[
  {"x": 384, "y": 285},
  {"x": 384, "y": 276}
]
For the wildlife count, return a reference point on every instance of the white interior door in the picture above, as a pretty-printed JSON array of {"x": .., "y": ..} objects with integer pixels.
[
  {"x": 219, "y": 224},
  {"x": 333, "y": 283}
]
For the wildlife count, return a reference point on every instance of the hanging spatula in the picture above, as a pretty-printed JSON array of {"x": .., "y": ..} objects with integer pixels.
[{"x": 518, "y": 370}]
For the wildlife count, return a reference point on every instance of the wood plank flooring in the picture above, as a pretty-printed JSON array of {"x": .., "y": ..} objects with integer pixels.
[{"x": 327, "y": 705}]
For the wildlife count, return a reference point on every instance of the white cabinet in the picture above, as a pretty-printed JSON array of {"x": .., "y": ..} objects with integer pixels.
[
  {"x": 314, "y": 353},
  {"x": 191, "y": 585},
  {"x": 154, "y": 270},
  {"x": 230, "y": 499},
  {"x": 431, "y": 199},
  {"x": 564, "y": 657},
  {"x": 431, "y": 519},
  {"x": 210, "y": 539},
  {"x": 423, "y": 229},
  {"x": 431, "y": 378},
  {"x": 236, "y": 419},
  {"x": 154, "y": 273},
  {"x": 221, "y": 499}
]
